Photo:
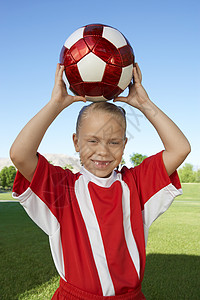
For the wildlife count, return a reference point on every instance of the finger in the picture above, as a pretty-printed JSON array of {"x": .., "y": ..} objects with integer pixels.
[
  {"x": 121, "y": 99},
  {"x": 57, "y": 70},
  {"x": 60, "y": 73},
  {"x": 139, "y": 72},
  {"x": 136, "y": 76},
  {"x": 79, "y": 98}
]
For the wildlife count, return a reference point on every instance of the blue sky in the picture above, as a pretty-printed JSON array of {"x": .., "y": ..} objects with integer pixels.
[{"x": 165, "y": 39}]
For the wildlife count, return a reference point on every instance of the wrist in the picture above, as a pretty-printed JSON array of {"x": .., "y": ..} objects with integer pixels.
[
  {"x": 141, "y": 104},
  {"x": 148, "y": 108},
  {"x": 55, "y": 106}
]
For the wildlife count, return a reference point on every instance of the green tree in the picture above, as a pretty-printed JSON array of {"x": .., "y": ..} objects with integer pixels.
[
  {"x": 187, "y": 174},
  {"x": 3, "y": 178},
  {"x": 7, "y": 176},
  {"x": 68, "y": 166},
  {"x": 11, "y": 176},
  {"x": 198, "y": 175},
  {"x": 137, "y": 158}
]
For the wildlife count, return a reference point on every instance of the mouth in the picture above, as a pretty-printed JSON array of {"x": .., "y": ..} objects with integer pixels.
[{"x": 101, "y": 164}]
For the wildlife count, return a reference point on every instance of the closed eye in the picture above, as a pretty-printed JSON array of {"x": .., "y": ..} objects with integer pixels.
[
  {"x": 114, "y": 143},
  {"x": 92, "y": 141}
]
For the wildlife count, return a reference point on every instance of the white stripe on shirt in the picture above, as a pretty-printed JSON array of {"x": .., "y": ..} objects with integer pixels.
[{"x": 94, "y": 234}]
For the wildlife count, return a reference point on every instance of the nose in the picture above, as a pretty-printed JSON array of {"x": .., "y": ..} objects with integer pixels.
[{"x": 102, "y": 149}]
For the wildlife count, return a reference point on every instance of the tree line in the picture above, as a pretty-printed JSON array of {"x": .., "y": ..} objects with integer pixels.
[
  {"x": 7, "y": 176},
  {"x": 186, "y": 173}
]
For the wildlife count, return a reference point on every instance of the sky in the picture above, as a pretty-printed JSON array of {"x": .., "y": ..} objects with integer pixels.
[{"x": 165, "y": 36}]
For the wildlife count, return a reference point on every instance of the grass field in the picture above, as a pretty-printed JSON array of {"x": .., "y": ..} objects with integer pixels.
[
  {"x": 172, "y": 270},
  {"x": 6, "y": 196}
]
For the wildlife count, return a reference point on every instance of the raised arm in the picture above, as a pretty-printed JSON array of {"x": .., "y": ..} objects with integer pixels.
[
  {"x": 175, "y": 143},
  {"x": 23, "y": 151}
]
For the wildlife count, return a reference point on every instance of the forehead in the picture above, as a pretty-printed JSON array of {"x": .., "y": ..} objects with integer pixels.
[{"x": 99, "y": 123}]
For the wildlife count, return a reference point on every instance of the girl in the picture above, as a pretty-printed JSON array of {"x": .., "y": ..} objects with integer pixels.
[{"x": 98, "y": 219}]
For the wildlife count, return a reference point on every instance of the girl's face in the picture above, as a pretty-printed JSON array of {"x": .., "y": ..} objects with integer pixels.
[{"x": 100, "y": 143}]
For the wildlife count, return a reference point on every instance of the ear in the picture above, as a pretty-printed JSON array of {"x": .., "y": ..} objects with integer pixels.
[
  {"x": 75, "y": 140},
  {"x": 126, "y": 140}
]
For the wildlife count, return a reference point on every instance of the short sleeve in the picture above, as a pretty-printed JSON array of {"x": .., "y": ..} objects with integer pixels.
[
  {"x": 156, "y": 189},
  {"x": 47, "y": 195}
]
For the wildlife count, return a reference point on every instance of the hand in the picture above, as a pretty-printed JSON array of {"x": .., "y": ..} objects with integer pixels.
[
  {"x": 137, "y": 95},
  {"x": 59, "y": 93}
]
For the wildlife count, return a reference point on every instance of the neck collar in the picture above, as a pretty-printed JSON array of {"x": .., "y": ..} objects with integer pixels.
[{"x": 103, "y": 182}]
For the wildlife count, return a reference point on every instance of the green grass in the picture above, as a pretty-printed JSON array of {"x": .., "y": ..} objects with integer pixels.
[
  {"x": 26, "y": 262},
  {"x": 173, "y": 250},
  {"x": 172, "y": 270},
  {"x": 6, "y": 196}
]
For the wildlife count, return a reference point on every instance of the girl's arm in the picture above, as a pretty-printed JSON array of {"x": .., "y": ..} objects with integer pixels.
[
  {"x": 23, "y": 152},
  {"x": 176, "y": 144}
]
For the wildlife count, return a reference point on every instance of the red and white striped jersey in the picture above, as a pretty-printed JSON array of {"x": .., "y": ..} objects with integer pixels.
[{"x": 98, "y": 227}]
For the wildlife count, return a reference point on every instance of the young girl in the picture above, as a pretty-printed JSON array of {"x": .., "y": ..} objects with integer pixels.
[{"x": 98, "y": 219}]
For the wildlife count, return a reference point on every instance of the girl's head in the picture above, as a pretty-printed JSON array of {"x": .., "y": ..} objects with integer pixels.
[
  {"x": 100, "y": 137},
  {"x": 105, "y": 107}
]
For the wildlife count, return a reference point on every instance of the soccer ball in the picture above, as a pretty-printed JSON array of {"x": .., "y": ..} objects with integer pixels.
[{"x": 98, "y": 62}]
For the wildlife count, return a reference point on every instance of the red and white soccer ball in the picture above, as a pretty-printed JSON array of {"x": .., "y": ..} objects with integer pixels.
[{"x": 98, "y": 62}]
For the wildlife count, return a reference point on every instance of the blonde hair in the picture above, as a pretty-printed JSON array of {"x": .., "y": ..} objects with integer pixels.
[{"x": 116, "y": 111}]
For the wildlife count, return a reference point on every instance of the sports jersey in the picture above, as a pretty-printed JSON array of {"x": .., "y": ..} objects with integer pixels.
[{"x": 98, "y": 227}]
